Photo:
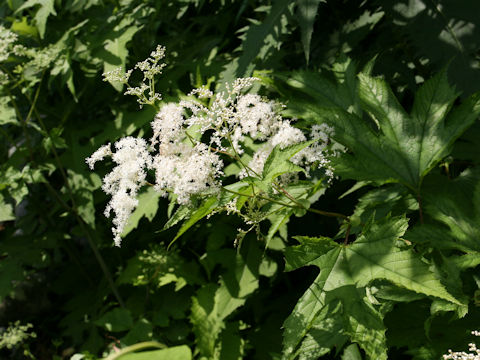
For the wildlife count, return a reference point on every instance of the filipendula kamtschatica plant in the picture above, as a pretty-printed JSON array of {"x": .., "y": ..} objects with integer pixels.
[
  {"x": 473, "y": 354},
  {"x": 202, "y": 142}
]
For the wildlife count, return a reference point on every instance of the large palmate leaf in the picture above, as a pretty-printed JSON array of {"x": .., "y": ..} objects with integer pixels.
[
  {"x": 379, "y": 202},
  {"x": 396, "y": 146},
  {"x": 322, "y": 91},
  {"x": 456, "y": 205},
  {"x": 401, "y": 147},
  {"x": 337, "y": 305}
]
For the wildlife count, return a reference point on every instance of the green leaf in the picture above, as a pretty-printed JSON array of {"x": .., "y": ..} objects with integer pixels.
[
  {"x": 322, "y": 91},
  {"x": 278, "y": 162},
  {"x": 443, "y": 28},
  {"x": 259, "y": 39},
  {"x": 326, "y": 332},
  {"x": 174, "y": 353},
  {"x": 345, "y": 272},
  {"x": 181, "y": 213},
  {"x": 46, "y": 9},
  {"x": 147, "y": 207},
  {"x": 203, "y": 210},
  {"x": 405, "y": 147},
  {"x": 213, "y": 304},
  {"x": 456, "y": 205},
  {"x": 396, "y": 146},
  {"x": 277, "y": 219},
  {"x": 16, "y": 181},
  {"x": 6, "y": 210},
  {"x": 233, "y": 345},
  {"x": 193, "y": 215},
  {"x": 7, "y": 112},
  {"x": 307, "y": 11},
  {"x": 53, "y": 139},
  {"x": 63, "y": 66},
  {"x": 142, "y": 330},
  {"x": 355, "y": 31},
  {"x": 210, "y": 307},
  {"x": 391, "y": 199},
  {"x": 82, "y": 184},
  {"x": 23, "y": 27},
  {"x": 118, "y": 52},
  {"x": 116, "y": 320},
  {"x": 467, "y": 261},
  {"x": 351, "y": 352}
]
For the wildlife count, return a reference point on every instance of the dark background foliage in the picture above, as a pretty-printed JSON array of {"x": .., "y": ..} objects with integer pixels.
[{"x": 58, "y": 268}]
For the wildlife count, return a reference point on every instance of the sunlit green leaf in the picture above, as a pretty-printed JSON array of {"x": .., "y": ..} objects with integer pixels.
[
  {"x": 44, "y": 11},
  {"x": 147, "y": 207},
  {"x": 345, "y": 271},
  {"x": 307, "y": 10},
  {"x": 173, "y": 353}
]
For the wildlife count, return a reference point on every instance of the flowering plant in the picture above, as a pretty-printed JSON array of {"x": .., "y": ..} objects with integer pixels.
[
  {"x": 193, "y": 141},
  {"x": 243, "y": 167},
  {"x": 234, "y": 151}
]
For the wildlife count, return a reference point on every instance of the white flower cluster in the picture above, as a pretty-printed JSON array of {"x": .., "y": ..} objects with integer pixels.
[
  {"x": 7, "y": 38},
  {"x": 284, "y": 134},
  {"x": 123, "y": 182},
  {"x": 15, "y": 334},
  {"x": 150, "y": 68},
  {"x": 232, "y": 116},
  {"x": 41, "y": 58},
  {"x": 188, "y": 138},
  {"x": 38, "y": 58},
  {"x": 474, "y": 352}
]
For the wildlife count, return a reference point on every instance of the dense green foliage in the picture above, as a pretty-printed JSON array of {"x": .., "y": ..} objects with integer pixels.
[{"x": 381, "y": 262}]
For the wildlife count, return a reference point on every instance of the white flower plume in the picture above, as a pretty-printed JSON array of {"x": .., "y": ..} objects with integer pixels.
[{"x": 189, "y": 138}]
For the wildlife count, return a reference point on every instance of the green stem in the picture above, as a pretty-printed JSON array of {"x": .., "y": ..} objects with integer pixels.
[
  {"x": 261, "y": 197},
  {"x": 329, "y": 213},
  {"x": 420, "y": 206},
  {"x": 279, "y": 187},
  {"x": 347, "y": 233},
  {"x": 237, "y": 156},
  {"x": 316, "y": 211},
  {"x": 320, "y": 212},
  {"x": 34, "y": 102}
]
